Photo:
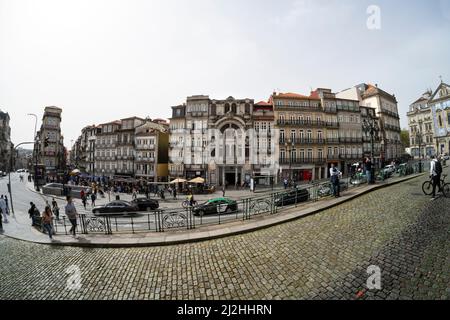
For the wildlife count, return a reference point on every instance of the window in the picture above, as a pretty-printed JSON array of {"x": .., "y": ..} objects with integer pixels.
[
  {"x": 282, "y": 135},
  {"x": 309, "y": 135},
  {"x": 292, "y": 136},
  {"x": 320, "y": 154}
]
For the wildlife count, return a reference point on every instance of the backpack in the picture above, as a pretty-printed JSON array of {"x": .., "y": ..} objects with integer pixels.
[{"x": 438, "y": 168}]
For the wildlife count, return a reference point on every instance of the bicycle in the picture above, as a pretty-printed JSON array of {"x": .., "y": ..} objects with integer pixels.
[
  {"x": 427, "y": 187},
  {"x": 187, "y": 203}
]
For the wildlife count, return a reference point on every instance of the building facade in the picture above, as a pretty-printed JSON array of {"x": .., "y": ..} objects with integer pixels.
[
  {"x": 386, "y": 108},
  {"x": 49, "y": 146},
  {"x": 211, "y": 139},
  {"x": 152, "y": 158},
  {"x": 421, "y": 128},
  {"x": 439, "y": 104},
  {"x": 6, "y": 146}
]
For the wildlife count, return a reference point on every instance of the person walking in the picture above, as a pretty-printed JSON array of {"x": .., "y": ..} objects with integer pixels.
[
  {"x": 435, "y": 174},
  {"x": 174, "y": 192},
  {"x": 84, "y": 201},
  {"x": 93, "y": 198},
  {"x": 3, "y": 209},
  {"x": 134, "y": 196},
  {"x": 55, "y": 209},
  {"x": 47, "y": 220},
  {"x": 223, "y": 190},
  {"x": 33, "y": 212},
  {"x": 72, "y": 214},
  {"x": 335, "y": 174},
  {"x": 369, "y": 171}
]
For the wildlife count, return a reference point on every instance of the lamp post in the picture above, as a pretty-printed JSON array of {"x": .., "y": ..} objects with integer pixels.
[
  {"x": 370, "y": 127},
  {"x": 419, "y": 140},
  {"x": 35, "y": 149}
]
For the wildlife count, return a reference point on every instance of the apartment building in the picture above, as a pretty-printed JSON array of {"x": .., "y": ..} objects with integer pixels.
[
  {"x": 386, "y": 108},
  {"x": 439, "y": 104},
  {"x": 305, "y": 125},
  {"x": 151, "y": 145},
  {"x": 50, "y": 143},
  {"x": 106, "y": 148},
  {"x": 420, "y": 123},
  {"x": 5, "y": 141}
]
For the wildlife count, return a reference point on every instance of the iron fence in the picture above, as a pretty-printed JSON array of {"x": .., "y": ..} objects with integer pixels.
[{"x": 241, "y": 210}]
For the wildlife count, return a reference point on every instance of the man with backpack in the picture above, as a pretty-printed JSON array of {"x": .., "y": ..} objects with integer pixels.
[{"x": 435, "y": 174}]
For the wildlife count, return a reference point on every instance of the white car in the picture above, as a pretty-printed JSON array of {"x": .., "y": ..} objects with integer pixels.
[{"x": 390, "y": 169}]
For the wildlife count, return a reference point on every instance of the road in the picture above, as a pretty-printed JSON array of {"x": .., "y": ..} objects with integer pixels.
[{"x": 323, "y": 256}]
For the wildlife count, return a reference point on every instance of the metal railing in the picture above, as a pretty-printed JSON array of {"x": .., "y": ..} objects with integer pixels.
[{"x": 248, "y": 208}]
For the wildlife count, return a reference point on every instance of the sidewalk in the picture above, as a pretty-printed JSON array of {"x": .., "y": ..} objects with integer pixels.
[{"x": 19, "y": 225}]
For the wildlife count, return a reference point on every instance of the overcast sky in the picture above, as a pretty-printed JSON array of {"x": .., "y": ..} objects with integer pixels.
[{"x": 102, "y": 60}]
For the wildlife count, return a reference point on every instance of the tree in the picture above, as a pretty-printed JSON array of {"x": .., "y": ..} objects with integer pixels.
[{"x": 404, "y": 137}]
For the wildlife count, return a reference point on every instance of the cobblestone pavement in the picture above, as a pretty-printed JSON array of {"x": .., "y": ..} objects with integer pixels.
[{"x": 323, "y": 256}]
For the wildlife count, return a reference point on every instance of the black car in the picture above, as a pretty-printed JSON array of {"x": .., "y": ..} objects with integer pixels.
[
  {"x": 145, "y": 204},
  {"x": 214, "y": 206},
  {"x": 116, "y": 207},
  {"x": 292, "y": 197}
]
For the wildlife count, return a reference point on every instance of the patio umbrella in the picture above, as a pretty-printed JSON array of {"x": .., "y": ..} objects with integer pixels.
[
  {"x": 178, "y": 180},
  {"x": 197, "y": 180},
  {"x": 75, "y": 172}
]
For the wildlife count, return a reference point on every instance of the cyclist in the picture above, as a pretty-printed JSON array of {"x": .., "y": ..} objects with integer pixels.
[{"x": 435, "y": 174}]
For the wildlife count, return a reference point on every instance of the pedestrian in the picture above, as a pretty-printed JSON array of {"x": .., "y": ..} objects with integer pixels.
[
  {"x": 7, "y": 204},
  {"x": 47, "y": 219},
  {"x": 71, "y": 213},
  {"x": 174, "y": 192},
  {"x": 147, "y": 192},
  {"x": 369, "y": 171},
  {"x": 82, "y": 194},
  {"x": 33, "y": 212},
  {"x": 134, "y": 194},
  {"x": 55, "y": 208},
  {"x": 84, "y": 201},
  {"x": 285, "y": 182},
  {"x": 162, "y": 194},
  {"x": 3, "y": 209},
  {"x": 93, "y": 198},
  {"x": 435, "y": 174},
  {"x": 223, "y": 190},
  {"x": 335, "y": 174},
  {"x": 156, "y": 190}
]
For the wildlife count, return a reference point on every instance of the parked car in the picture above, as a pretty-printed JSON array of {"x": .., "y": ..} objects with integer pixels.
[
  {"x": 446, "y": 157},
  {"x": 3, "y": 174},
  {"x": 116, "y": 207},
  {"x": 217, "y": 205},
  {"x": 292, "y": 197},
  {"x": 145, "y": 204},
  {"x": 389, "y": 170}
]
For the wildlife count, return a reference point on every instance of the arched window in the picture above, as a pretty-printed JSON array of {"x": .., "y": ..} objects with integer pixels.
[
  {"x": 440, "y": 121},
  {"x": 233, "y": 108},
  {"x": 227, "y": 108},
  {"x": 213, "y": 109}
]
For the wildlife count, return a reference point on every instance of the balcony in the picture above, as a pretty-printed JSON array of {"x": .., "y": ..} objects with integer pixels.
[
  {"x": 297, "y": 161},
  {"x": 145, "y": 159},
  {"x": 392, "y": 128},
  {"x": 351, "y": 140},
  {"x": 308, "y": 124},
  {"x": 390, "y": 113},
  {"x": 353, "y": 156},
  {"x": 303, "y": 141},
  {"x": 125, "y": 158},
  {"x": 145, "y": 147}
]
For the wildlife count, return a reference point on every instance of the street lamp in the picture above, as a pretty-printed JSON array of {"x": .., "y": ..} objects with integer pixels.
[
  {"x": 370, "y": 127},
  {"x": 35, "y": 149},
  {"x": 419, "y": 141}
]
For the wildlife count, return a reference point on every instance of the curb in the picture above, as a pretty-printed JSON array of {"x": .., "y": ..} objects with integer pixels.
[{"x": 258, "y": 225}]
